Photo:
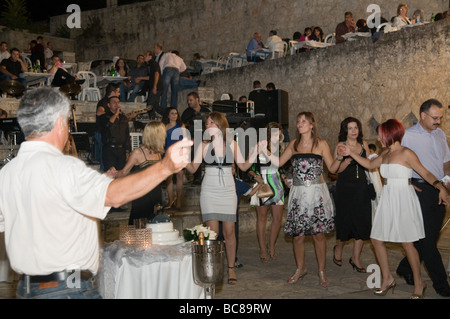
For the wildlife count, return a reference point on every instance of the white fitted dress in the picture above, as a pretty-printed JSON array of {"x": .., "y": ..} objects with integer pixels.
[{"x": 398, "y": 217}]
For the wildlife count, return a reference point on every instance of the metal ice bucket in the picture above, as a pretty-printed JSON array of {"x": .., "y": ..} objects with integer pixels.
[{"x": 207, "y": 262}]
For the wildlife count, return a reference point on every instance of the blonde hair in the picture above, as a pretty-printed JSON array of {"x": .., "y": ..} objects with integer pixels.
[
  {"x": 221, "y": 121},
  {"x": 401, "y": 5},
  {"x": 154, "y": 137}
]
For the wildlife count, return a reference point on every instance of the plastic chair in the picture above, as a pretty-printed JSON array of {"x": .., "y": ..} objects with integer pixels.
[
  {"x": 279, "y": 50},
  {"x": 331, "y": 38},
  {"x": 135, "y": 140},
  {"x": 26, "y": 60},
  {"x": 383, "y": 25},
  {"x": 89, "y": 89}
]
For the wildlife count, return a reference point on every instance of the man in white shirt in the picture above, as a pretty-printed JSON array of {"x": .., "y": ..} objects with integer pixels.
[
  {"x": 4, "y": 54},
  {"x": 171, "y": 66},
  {"x": 273, "y": 40},
  {"x": 50, "y": 209}
]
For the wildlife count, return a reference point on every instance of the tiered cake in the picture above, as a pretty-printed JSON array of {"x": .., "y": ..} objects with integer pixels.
[{"x": 164, "y": 234}]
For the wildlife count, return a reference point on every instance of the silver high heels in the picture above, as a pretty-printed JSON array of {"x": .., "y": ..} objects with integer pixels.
[
  {"x": 297, "y": 275},
  {"x": 383, "y": 292}
]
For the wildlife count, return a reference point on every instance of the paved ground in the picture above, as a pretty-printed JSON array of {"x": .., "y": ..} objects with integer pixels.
[{"x": 269, "y": 281}]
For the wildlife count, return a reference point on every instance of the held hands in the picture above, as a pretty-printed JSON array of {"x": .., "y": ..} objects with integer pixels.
[
  {"x": 111, "y": 173},
  {"x": 344, "y": 150},
  {"x": 178, "y": 155}
]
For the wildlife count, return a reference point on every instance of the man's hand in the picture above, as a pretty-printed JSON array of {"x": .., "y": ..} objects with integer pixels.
[{"x": 178, "y": 155}]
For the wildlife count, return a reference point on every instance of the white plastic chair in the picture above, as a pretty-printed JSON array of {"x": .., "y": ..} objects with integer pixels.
[
  {"x": 135, "y": 140},
  {"x": 331, "y": 38},
  {"x": 26, "y": 60},
  {"x": 89, "y": 89},
  {"x": 383, "y": 25},
  {"x": 279, "y": 50}
]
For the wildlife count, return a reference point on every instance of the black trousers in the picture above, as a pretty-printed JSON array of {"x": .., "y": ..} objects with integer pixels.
[
  {"x": 433, "y": 217},
  {"x": 116, "y": 157},
  {"x": 61, "y": 78}
]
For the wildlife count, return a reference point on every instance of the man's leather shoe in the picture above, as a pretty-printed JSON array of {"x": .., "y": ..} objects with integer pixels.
[
  {"x": 408, "y": 278},
  {"x": 444, "y": 292}
]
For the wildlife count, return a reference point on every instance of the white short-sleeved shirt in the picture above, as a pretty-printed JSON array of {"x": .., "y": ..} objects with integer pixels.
[{"x": 50, "y": 204}]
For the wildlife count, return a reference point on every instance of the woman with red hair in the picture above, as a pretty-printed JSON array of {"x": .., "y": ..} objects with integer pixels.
[{"x": 398, "y": 217}]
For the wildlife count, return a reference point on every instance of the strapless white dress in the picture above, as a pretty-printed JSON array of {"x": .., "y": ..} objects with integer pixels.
[{"x": 398, "y": 217}]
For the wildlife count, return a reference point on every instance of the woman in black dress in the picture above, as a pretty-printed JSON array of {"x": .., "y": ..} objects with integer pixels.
[
  {"x": 150, "y": 152},
  {"x": 353, "y": 203}
]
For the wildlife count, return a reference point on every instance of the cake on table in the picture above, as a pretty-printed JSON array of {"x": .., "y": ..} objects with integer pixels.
[{"x": 164, "y": 234}]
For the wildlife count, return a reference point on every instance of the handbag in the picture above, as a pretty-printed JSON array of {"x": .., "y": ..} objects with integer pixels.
[{"x": 264, "y": 191}]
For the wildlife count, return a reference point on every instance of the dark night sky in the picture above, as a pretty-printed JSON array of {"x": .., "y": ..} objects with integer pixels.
[{"x": 42, "y": 10}]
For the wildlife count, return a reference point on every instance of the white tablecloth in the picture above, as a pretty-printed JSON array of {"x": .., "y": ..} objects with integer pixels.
[{"x": 160, "y": 272}]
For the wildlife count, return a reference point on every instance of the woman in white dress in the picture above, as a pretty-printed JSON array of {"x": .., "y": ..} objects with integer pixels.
[
  {"x": 398, "y": 217},
  {"x": 218, "y": 201}
]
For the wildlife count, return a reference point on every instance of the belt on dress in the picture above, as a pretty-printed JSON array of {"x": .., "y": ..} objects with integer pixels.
[
  {"x": 307, "y": 183},
  {"x": 56, "y": 276},
  {"x": 385, "y": 181}
]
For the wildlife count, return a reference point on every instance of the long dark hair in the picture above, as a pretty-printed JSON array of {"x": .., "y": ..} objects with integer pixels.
[
  {"x": 344, "y": 129},
  {"x": 165, "y": 119}
]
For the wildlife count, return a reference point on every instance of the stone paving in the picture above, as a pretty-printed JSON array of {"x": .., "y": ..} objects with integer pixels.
[{"x": 269, "y": 281}]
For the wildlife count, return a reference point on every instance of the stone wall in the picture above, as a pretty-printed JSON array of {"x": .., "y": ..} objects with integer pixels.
[
  {"x": 21, "y": 39},
  {"x": 370, "y": 81},
  {"x": 215, "y": 27}
]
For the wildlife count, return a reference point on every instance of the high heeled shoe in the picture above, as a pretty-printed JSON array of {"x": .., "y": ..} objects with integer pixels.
[
  {"x": 415, "y": 296},
  {"x": 322, "y": 280},
  {"x": 337, "y": 262},
  {"x": 361, "y": 270},
  {"x": 297, "y": 276},
  {"x": 383, "y": 292},
  {"x": 231, "y": 279},
  {"x": 171, "y": 204}
]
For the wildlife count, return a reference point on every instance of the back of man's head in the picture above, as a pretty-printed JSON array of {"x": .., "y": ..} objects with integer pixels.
[
  {"x": 256, "y": 84},
  {"x": 39, "y": 110}
]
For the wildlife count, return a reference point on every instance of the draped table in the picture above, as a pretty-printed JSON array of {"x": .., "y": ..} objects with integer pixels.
[{"x": 158, "y": 272}]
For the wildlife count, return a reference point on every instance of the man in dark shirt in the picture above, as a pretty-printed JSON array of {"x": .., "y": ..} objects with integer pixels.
[
  {"x": 192, "y": 113},
  {"x": 344, "y": 27},
  {"x": 259, "y": 97},
  {"x": 137, "y": 76},
  {"x": 155, "y": 84},
  {"x": 112, "y": 89},
  {"x": 115, "y": 135},
  {"x": 12, "y": 67}
]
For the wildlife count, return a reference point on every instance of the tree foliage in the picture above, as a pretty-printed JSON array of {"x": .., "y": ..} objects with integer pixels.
[{"x": 15, "y": 14}]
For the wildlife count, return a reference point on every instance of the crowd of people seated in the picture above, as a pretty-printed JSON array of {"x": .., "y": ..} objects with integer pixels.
[{"x": 316, "y": 33}]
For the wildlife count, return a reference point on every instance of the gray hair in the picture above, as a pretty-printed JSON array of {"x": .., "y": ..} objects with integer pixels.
[{"x": 39, "y": 110}]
